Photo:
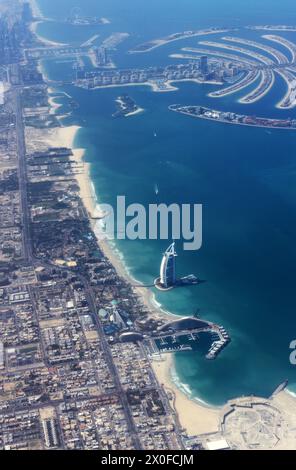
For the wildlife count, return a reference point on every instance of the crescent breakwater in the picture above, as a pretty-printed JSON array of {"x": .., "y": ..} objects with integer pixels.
[
  {"x": 155, "y": 43},
  {"x": 201, "y": 112}
]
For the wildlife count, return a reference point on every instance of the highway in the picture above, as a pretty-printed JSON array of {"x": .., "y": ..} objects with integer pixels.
[
  {"x": 109, "y": 359},
  {"x": 28, "y": 257},
  {"x": 21, "y": 153},
  {"x": 54, "y": 403}
]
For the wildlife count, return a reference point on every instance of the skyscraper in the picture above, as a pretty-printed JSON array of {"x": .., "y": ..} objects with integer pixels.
[
  {"x": 168, "y": 267},
  {"x": 102, "y": 56},
  {"x": 204, "y": 64}
]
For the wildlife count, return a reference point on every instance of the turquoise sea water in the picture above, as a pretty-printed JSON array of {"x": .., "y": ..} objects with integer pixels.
[{"x": 245, "y": 178}]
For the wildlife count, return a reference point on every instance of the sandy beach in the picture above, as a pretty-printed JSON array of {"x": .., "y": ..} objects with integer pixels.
[
  {"x": 42, "y": 139},
  {"x": 193, "y": 417},
  {"x": 41, "y": 39},
  {"x": 52, "y": 103},
  {"x": 35, "y": 9},
  {"x": 40, "y": 18},
  {"x": 133, "y": 113}
]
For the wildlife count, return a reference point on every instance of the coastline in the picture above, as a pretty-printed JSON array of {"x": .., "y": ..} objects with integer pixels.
[
  {"x": 42, "y": 39},
  {"x": 39, "y": 18},
  {"x": 137, "y": 111},
  {"x": 53, "y": 106},
  {"x": 92, "y": 206},
  {"x": 194, "y": 417},
  {"x": 205, "y": 417},
  {"x": 258, "y": 126},
  {"x": 37, "y": 13}
]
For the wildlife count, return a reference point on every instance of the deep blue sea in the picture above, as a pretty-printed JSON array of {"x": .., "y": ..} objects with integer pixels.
[{"x": 244, "y": 177}]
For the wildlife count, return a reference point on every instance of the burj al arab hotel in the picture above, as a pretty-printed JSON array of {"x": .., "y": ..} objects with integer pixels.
[{"x": 167, "y": 277}]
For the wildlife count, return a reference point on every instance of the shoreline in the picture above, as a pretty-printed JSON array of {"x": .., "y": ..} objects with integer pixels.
[
  {"x": 53, "y": 106},
  {"x": 259, "y": 97},
  {"x": 154, "y": 86},
  {"x": 92, "y": 206},
  {"x": 195, "y": 418},
  {"x": 46, "y": 42},
  {"x": 233, "y": 123},
  {"x": 121, "y": 103},
  {"x": 290, "y": 91},
  {"x": 137, "y": 111},
  {"x": 37, "y": 13},
  {"x": 38, "y": 17}
]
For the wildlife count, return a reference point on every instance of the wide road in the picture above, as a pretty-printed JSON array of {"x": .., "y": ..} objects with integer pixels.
[
  {"x": 109, "y": 359},
  {"x": 28, "y": 255},
  {"x": 21, "y": 153}
]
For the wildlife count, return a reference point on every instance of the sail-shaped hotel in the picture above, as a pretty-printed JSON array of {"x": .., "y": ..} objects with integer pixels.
[{"x": 167, "y": 278}]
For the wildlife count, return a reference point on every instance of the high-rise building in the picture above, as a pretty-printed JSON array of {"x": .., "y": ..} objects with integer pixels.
[
  {"x": 102, "y": 56},
  {"x": 204, "y": 64},
  {"x": 27, "y": 12},
  {"x": 168, "y": 267}
]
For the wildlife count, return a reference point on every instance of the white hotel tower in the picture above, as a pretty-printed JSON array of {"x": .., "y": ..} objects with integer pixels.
[{"x": 168, "y": 268}]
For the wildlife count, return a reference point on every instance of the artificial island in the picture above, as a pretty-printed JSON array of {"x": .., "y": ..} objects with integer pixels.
[
  {"x": 233, "y": 118},
  {"x": 233, "y": 64},
  {"x": 230, "y": 62}
]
